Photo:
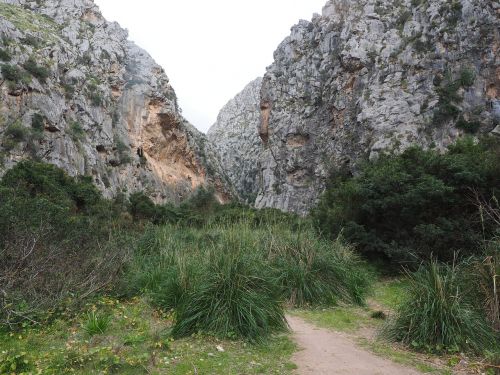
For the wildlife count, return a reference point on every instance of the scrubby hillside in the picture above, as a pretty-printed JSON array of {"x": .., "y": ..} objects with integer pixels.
[{"x": 76, "y": 93}]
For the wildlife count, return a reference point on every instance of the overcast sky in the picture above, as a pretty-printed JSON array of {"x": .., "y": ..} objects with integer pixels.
[{"x": 210, "y": 49}]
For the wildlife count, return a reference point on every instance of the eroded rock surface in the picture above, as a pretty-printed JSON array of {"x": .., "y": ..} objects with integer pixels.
[
  {"x": 237, "y": 126},
  {"x": 371, "y": 76},
  {"x": 83, "y": 97}
]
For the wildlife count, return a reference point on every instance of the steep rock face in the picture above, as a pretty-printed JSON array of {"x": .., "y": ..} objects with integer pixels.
[
  {"x": 237, "y": 125},
  {"x": 76, "y": 93},
  {"x": 369, "y": 76}
]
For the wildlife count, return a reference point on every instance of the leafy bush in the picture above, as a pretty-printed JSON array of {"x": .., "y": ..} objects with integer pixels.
[
  {"x": 13, "y": 362},
  {"x": 470, "y": 127},
  {"x": 76, "y": 131},
  {"x": 437, "y": 314},
  {"x": 60, "y": 242},
  {"x": 11, "y": 73},
  {"x": 38, "y": 122},
  {"x": 482, "y": 280},
  {"x": 39, "y": 72},
  {"x": 16, "y": 132},
  {"x": 409, "y": 206},
  {"x": 4, "y": 55}
]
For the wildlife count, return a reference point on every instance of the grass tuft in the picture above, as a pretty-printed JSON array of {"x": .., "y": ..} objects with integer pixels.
[
  {"x": 437, "y": 316},
  {"x": 96, "y": 324}
]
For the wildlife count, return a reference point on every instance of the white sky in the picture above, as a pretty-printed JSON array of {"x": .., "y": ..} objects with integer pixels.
[{"x": 211, "y": 49}]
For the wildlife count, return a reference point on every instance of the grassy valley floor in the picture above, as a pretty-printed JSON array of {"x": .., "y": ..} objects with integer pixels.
[{"x": 135, "y": 339}]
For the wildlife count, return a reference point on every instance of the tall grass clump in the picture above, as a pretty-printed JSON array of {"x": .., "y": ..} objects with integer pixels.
[
  {"x": 232, "y": 298},
  {"x": 485, "y": 279},
  {"x": 314, "y": 271},
  {"x": 437, "y": 314},
  {"x": 234, "y": 280}
]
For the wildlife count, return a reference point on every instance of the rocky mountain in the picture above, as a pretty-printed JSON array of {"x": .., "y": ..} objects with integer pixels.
[
  {"x": 77, "y": 93},
  {"x": 371, "y": 76},
  {"x": 237, "y": 124}
]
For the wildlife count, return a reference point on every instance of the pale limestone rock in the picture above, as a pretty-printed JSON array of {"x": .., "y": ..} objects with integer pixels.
[{"x": 108, "y": 109}]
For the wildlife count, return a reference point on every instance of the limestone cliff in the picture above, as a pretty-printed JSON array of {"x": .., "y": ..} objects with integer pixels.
[
  {"x": 237, "y": 124},
  {"x": 369, "y": 76},
  {"x": 76, "y": 93}
]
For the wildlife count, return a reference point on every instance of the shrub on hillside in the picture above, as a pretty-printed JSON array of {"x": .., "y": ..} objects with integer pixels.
[
  {"x": 412, "y": 205},
  {"x": 37, "y": 71}
]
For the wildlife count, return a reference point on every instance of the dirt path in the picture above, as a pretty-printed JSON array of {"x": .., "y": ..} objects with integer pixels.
[{"x": 322, "y": 351}]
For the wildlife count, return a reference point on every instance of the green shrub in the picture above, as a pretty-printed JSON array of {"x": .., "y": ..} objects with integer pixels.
[
  {"x": 13, "y": 362},
  {"x": 449, "y": 98},
  {"x": 211, "y": 276},
  {"x": 39, "y": 72},
  {"x": 482, "y": 279},
  {"x": 16, "y": 132},
  {"x": 467, "y": 77},
  {"x": 4, "y": 55},
  {"x": 38, "y": 122},
  {"x": 60, "y": 242},
  {"x": 409, "y": 206},
  {"x": 470, "y": 127},
  {"x": 76, "y": 131},
  {"x": 11, "y": 73},
  {"x": 437, "y": 314}
]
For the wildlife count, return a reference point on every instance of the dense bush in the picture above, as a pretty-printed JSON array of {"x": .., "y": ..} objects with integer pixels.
[
  {"x": 11, "y": 73},
  {"x": 412, "y": 205},
  {"x": 59, "y": 242},
  {"x": 4, "y": 55},
  {"x": 438, "y": 313}
]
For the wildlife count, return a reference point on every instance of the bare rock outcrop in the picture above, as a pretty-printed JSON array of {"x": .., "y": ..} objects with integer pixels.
[
  {"x": 77, "y": 93},
  {"x": 237, "y": 125},
  {"x": 371, "y": 76}
]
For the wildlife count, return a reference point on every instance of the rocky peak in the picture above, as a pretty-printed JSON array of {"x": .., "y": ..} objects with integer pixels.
[{"x": 78, "y": 94}]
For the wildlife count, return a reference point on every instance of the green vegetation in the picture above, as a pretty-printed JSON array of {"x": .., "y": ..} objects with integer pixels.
[
  {"x": 30, "y": 22},
  {"x": 231, "y": 279},
  {"x": 38, "y": 122},
  {"x": 123, "y": 152},
  {"x": 11, "y": 73},
  {"x": 129, "y": 286},
  {"x": 96, "y": 324},
  {"x": 437, "y": 313},
  {"x": 39, "y": 72},
  {"x": 136, "y": 341},
  {"x": 76, "y": 131},
  {"x": 212, "y": 274},
  {"x": 449, "y": 98},
  {"x": 4, "y": 55},
  {"x": 43, "y": 214},
  {"x": 409, "y": 206}
]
